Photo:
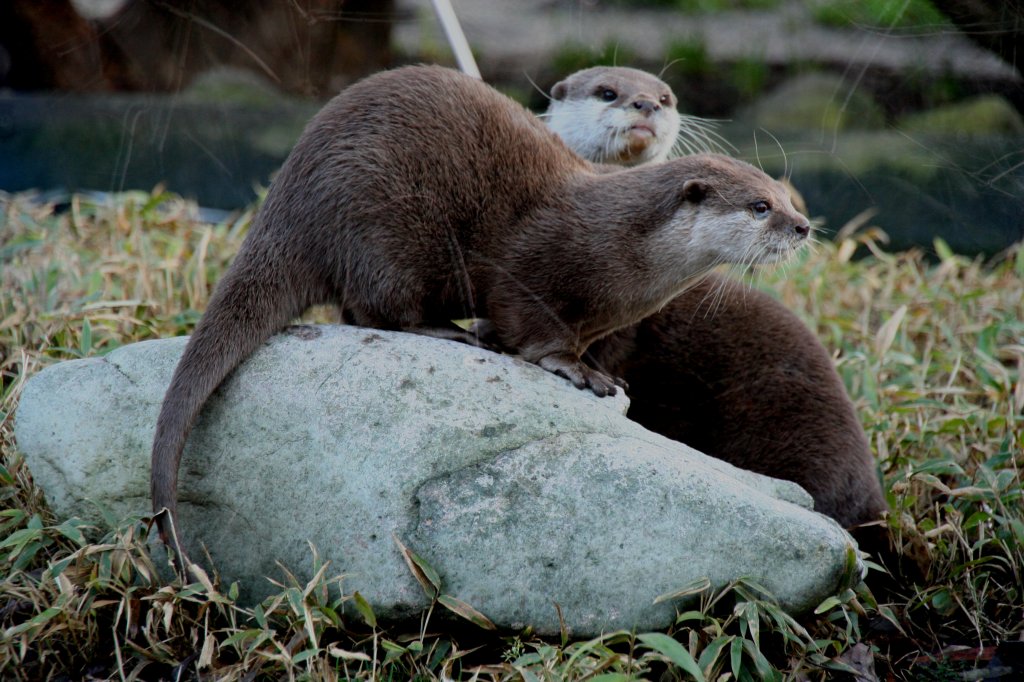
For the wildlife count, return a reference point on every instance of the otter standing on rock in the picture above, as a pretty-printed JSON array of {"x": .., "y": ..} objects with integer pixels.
[
  {"x": 420, "y": 195},
  {"x": 723, "y": 367}
]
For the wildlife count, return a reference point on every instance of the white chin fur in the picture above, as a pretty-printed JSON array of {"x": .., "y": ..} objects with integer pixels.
[{"x": 600, "y": 132}]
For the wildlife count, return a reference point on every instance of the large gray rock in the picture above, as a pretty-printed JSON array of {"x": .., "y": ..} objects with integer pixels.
[{"x": 519, "y": 489}]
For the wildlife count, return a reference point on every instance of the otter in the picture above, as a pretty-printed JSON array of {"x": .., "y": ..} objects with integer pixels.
[
  {"x": 624, "y": 116},
  {"x": 723, "y": 367},
  {"x": 732, "y": 372},
  {"x": 407, "y": 212}
]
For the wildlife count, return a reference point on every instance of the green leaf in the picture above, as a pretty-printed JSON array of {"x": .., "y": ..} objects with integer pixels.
[
  {"x": 85, "y": 342},
  {"x": 14, "y": 518},
  {"x": 295, "y": 600},
  {"x": 34, "y": 622},
  {"x": 1018, "y": 530},
  {"x": 531, "y": 658},
  {"x": 854, "y": 571},
  {"x": 330, "y": 614},
  {"x": 440, "y": 653},
  {"x": 696, "y": 587},
  {"x": 464, "y": 610},
  {"x": 689, "y": 615},
  {"x": 241, "y": 636},
  {"x": 260, "y": 616},
  {"x": 753, "y": 618},
  {"x": 712, "y": 651},
  {"x": 71, "y": 530},
  {"x": 736, "y": 657},
  {"x": 943, "y": 602},
  {"x": 19, "y": 538},
  {"x": 425, "y": 575},
  {"x": 827, "y": 605},
  {"x": 364, "y": 609},
  {"x": 674, "y": 651},
  {"x": 976, "y": 519},
  {"x": 388, "y": 645},
  {"x": 942, "y": 250},
  {"x": 752, "y": 591},
  {"x": 764, "y": 668},
  {"x": 528, "y": 675},
  {"x": 57, "y": 567}
]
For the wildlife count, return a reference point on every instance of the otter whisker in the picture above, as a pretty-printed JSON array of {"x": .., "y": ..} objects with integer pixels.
[
  {"x": 785, "y": 159},
  {"x": 536, "y": 87},
  {"x": 697, "y": 135}
]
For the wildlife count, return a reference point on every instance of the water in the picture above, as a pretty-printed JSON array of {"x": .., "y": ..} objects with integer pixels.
[{"x": 967, "y": 190}]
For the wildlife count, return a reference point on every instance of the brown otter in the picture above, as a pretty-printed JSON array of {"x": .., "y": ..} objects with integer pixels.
[
  {"x": 408, "y": 212},
  {"x": 732, "y": 372},
  {"x": 723, "y": 367},
  {"x": 614, "y": 114}
]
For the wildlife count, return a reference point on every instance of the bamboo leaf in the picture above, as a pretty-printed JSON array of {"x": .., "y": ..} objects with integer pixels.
[
  {"x": 887, "y": 332},
  {"x": 427, "y": 577},
  {"x": 464, "y": 610},
  {"x": 673, "y": 651},
  {"x": 364, "y": 609},
  {"x": 338, "y": 652},
  {"x": 696, "y": 587},
  {"x": 736, "y": 657},
  {"x": 709, "y": 656}
]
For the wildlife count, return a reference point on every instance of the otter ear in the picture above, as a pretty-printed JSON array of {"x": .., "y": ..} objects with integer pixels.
[
  {"x": 559, "y": 90},
  {"x": 694, "y": 191}
]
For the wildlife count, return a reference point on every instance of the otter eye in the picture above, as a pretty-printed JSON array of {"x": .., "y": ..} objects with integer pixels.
[
  {"x": 607, "y": 94},
  {"x": 666, "y": 100},
  {"x": 761, "y": 208}
]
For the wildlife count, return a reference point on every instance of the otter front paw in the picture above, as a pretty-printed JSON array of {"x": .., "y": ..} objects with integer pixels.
[{"x": 572, "y": 368}]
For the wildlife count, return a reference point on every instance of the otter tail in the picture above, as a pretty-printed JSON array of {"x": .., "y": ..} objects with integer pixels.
[{"x": 248, "y": 306}]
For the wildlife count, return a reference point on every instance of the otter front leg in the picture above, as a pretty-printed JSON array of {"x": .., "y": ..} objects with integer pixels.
[
  {"x": 454, "y": 333},
  {"x": 569, "y": 366}
]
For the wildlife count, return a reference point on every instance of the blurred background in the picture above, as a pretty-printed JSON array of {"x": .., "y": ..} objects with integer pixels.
[{"x": 904, "y": 114}]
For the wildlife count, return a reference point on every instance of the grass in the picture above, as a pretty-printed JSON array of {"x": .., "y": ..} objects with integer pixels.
[
  {"x": 703, "y": 6},
  {"x": 904, "y": 14},
  {"x": 931, "y": 350}
]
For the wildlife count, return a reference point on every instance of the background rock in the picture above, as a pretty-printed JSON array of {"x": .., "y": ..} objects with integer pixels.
[
  {"x": 520, "y": 490},
  {"x": 815, "y": 101}
]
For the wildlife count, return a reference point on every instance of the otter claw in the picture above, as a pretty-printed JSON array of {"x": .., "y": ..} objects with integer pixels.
[{"x": 581, "y": 376}]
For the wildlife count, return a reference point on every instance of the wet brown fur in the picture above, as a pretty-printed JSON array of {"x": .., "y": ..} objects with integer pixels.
[
  {"x": 419, "y": 196},
  {"x": 733, "y": 373}
]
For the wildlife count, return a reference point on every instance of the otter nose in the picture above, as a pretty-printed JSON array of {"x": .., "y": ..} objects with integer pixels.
[
  {"x": 646, "y": 106},
  {"x": 802, "y": 230}
]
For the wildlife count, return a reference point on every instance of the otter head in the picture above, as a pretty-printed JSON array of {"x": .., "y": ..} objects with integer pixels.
[
  {"x": 615, "y": 115},
  {"x": 729, "y": 212}
]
